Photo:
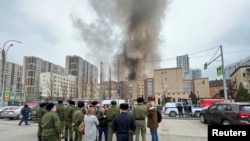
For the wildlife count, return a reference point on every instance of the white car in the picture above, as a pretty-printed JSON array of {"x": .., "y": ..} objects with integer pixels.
[
  {"x": 171, "y": 109},
  {"x": 12, "y": 113}
]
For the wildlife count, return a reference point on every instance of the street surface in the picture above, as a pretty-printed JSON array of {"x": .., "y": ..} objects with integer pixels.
[{"x": 171, "y": 129}]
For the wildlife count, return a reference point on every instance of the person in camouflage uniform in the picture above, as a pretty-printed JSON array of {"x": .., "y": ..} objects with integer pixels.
[
  {"x": 60, "y": 111},
  {"x": 78, "y": 117},
  {"x": 51, "y": 129},
  {"x": 97, "y": 110},
  {"x": 111, "y": 113},
  {"x": 39, "y": 114},
  {"x": 69, "y": 111},
  {"x": 139, "y": 112}
]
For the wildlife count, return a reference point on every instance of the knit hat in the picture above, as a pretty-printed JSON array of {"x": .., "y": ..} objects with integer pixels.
[
  {"x": 124, "y": 106},
  {"x": 42, "y": 104},
  {"x": 94, "y": 103},
  {"x": 139, "y": 99},
  {"x": 80, "y": 104},
  {"x": 49, "y": 106}
]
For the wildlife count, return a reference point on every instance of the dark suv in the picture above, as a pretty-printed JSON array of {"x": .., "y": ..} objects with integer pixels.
[
  {"x": 34, "y": 109},
  {"x": 227, "y": 114}
]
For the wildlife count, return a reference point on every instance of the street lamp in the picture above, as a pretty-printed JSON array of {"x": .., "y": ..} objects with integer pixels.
[{"x": 4, "y": 56}]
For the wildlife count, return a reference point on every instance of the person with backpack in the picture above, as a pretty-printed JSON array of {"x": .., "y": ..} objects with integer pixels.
[
  {"x": 69, "y": 111},
  {"x": 111, "y": 113},
  {"x": 139, "y": 112},
  {"x": 77, "y": 118},
  {"x": 152, "y": 122}
]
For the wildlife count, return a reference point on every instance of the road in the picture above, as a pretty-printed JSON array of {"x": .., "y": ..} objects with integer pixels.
[{"x": 170, "y": 129}]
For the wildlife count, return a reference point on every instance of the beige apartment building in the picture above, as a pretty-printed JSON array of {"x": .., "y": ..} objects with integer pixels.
[
  {"x": 241, "y": 75},
  {"x": 201, "y": 87},
  {"x": 168, "y": 82}
]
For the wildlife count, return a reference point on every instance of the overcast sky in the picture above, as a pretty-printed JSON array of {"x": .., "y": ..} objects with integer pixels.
[{"x": 50, "y": 29}]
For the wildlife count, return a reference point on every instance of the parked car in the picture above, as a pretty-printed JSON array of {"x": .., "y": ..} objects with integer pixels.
[
  {"x": 34, "y": 109},
  {"x": 172, "y": 111},
  {"x": 226, "y": 114},
  {"x": 6, "y": 108},
  {"x": 12, "y": 113}
]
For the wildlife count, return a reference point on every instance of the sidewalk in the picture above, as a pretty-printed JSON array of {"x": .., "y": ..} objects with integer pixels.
[{"x": 179, "y": 130}]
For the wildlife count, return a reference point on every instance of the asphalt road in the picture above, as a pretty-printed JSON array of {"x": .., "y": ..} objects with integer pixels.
[{"x": 170, "y": 129}]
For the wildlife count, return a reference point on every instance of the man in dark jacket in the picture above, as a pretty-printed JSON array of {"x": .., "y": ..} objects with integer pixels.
[
  {"x": 103, "y": 124},
  {"x": 51, "y": 128},
  {"x": 124, "y": 124},
  {"x": 25, "y": 111}
]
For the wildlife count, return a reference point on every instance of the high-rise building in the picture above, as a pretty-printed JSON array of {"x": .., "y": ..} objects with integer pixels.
[
  {"x": 13, "y": 77},
  {"x": 196, "y": 73},
  {"x": 32, "y": 67},
  {"x": 85, "y": 72},
  {"x": 183, "y": 62}
]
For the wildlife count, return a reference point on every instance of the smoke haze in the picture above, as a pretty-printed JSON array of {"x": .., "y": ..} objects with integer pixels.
[{"x": 125, "y": 30}]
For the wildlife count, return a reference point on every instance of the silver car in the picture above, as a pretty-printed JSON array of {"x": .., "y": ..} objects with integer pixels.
[
  {"x": 12, "y": 113},
  {"x": 6, "y": 108}
]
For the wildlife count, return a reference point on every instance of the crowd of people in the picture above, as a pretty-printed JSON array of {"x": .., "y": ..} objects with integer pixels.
[{"x": 57, "y": 122}]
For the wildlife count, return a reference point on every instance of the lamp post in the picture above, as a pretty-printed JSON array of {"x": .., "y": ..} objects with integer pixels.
[{"x": 4, "y": 56}]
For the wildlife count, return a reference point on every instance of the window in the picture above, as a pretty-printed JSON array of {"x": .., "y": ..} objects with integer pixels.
[
  {"x": 244, "y": 74},
  {"x": 221, "y": 107}
]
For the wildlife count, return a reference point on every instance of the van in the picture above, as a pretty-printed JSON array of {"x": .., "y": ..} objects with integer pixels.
[{"x": 108, "y": 102}]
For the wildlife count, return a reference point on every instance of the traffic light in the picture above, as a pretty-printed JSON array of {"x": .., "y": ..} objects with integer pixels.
[
  {"x": 205, "y": 66},
  {"x": 222, "y": 93}
]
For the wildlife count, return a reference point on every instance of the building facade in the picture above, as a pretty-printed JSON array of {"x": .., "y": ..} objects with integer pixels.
[
  {"x": 241, "y": 75},
  {"x": 195, "y": 73},
  {"x": 32, "y": 67},
  {"x": 57, "y": 87},
  {"x": 183, "y": 62},
  {"x": 86, "y": 73},
  {"x": 12, "y": 82},
  {"x": 229, "y": 69}
]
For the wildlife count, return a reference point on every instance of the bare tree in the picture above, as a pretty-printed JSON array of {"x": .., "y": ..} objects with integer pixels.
[{"x": 49, "y": 86}]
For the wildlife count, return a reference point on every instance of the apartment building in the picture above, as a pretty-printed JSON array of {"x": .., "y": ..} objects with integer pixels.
[
  {"x": 168, "y": 82},
  {"x": 32, "y": 67},
  {"x": 201, "y": 87},
  {"x": 56, "y": 86},
  {"x": 149, "y": 89},
  {"x": 85, "y": 72},
  {"x": 231, "y": 68},
  {"x": 183, "y": 62},
  {"x": 12, "y": 81},
  {"x": 195, "y": 73},
  {"x": 241, "y": 75}
]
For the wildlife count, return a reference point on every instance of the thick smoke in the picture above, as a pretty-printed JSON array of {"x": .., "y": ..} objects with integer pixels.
[{"x": 136, "y": 46}]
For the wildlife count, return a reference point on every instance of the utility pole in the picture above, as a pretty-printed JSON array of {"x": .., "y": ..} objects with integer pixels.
[
  {"x": 118, "y": 77},
  {"x": 224, "y": 75},
  {"x": 100, "y": 95},
  {"x": 223, "y": 70}
]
